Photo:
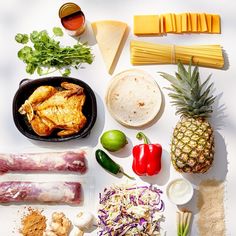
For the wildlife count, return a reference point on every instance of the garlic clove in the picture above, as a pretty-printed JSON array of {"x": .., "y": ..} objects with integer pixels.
[
  {"x": 84, "y": 220},
  {"x": 78, "y": 232},
  {"x": 49, "y": 233},
  {"x": 55, "y": 226}
]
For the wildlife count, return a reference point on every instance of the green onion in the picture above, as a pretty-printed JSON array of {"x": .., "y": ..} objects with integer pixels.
[{"x": 183, "y": 222}]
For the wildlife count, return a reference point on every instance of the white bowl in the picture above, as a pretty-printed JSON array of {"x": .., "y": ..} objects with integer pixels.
[{"x": 179, "y": 191}]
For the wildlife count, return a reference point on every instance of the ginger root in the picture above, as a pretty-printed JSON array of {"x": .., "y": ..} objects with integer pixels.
[{"x": 60, "y": 225}]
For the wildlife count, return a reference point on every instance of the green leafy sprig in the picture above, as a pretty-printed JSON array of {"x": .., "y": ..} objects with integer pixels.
[{"x": 47, "y": 56}]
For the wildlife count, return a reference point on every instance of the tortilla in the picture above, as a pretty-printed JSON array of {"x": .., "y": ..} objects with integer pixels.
[{"x": 133, "y": 98}]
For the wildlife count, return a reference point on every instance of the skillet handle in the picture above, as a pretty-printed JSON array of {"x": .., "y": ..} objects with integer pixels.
[{"x": 23, "y": 81}]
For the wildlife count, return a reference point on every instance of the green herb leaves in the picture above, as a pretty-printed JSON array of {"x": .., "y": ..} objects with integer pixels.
[
  {"x": 57, "y": 31},
  {"x": 47, "y": 56},
  {"x": 22, "y": 38}
]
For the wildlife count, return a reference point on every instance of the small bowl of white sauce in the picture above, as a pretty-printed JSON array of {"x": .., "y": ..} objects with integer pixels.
[{"x": 179, "y": 191}]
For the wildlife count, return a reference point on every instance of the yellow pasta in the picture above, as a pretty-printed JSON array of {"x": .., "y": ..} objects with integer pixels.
[{"x": 144, "y": 53}]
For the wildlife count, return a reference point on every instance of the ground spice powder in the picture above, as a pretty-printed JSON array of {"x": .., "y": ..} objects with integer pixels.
[
  {"x": 33, "y": 224},
  {"x": 211, "y": 221}
]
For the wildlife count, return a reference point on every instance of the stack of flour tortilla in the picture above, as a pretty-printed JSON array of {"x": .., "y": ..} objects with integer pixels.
[{"x": 133, "y": 98}]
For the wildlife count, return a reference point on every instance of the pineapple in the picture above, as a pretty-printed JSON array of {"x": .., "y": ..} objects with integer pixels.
[{"x": 192, "y": 145}]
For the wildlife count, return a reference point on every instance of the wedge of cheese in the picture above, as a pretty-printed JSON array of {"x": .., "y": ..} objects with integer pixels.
[{"x": 110, "y": 36}]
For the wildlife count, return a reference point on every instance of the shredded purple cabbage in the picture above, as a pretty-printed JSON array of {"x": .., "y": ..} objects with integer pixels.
[
  {"x": 102, "y": 221},
  {"x": 140, "y": 202},
  {"x": 142, "y": 221},
  {"x": 104, "y": 212},
  {"x": 117, "y": 218},
  {"x": 146, "y": 187},
  {"x": 125, "y": 221}
]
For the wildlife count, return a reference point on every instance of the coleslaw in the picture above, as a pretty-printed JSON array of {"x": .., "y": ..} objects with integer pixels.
[{"x": 130, "y": 210}]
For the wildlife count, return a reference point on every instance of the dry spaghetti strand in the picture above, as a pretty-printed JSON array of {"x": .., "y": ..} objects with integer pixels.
[{"x": 144, "y": 53}]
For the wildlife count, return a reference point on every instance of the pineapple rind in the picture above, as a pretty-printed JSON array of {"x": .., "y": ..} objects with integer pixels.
[{"x": 192, "y": 153}]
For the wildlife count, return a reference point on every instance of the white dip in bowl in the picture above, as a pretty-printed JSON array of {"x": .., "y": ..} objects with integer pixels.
[{"x": 179, "y": 191}]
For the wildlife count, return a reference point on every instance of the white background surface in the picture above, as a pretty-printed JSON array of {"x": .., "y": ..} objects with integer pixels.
[{"x": 26, "y": 15}]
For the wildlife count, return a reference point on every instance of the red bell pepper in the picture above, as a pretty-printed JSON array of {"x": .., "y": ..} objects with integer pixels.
[{"x": 146, "y": 157}]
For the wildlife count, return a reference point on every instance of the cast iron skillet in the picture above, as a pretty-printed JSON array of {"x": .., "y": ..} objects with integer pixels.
[{"x": 27, "y": 87}]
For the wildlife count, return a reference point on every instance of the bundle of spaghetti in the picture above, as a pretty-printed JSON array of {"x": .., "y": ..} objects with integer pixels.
[{"x": 144, "y": 53}]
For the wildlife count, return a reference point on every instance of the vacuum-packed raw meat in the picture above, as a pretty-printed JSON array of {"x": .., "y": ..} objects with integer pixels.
[
  {"x": 55, "y": 192},
  {"x": 51, "y": 161}
]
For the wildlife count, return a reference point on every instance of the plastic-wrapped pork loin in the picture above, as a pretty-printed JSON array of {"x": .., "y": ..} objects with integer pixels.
[
  {"x": 54, "y": 192},
  {"x": 50, "y": 161}
]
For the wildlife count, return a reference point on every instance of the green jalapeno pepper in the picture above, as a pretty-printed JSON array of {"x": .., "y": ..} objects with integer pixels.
[{"x": 108, "y": 164}]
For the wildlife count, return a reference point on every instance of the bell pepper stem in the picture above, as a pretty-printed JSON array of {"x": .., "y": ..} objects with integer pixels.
[
  {"x": 121, "y": 171},
  {"x": 140, "y": 136}
]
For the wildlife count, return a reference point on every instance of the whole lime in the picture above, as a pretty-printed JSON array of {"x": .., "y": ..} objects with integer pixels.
[{"x": 113, "y": 140}]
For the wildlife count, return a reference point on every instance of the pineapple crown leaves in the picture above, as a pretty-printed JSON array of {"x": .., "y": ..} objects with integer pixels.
[{"x": 190, "y": 97}]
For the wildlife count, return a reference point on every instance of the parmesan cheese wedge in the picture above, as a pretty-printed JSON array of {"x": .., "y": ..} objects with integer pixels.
[{"x": 110, "y": 36}]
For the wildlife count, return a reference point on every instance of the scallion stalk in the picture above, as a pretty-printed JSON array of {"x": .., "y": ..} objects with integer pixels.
[{"x": 183, "y": 222}]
